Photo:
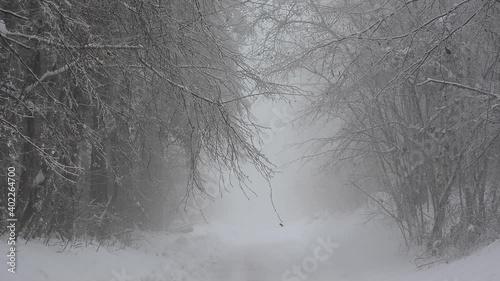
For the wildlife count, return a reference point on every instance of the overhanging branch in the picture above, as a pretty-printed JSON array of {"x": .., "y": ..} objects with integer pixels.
[{"x": 480, "y": 91}]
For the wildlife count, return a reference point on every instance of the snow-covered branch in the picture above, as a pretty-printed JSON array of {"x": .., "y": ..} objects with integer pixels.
[
  {"x": 458, "y": 85},
  {"x": 65, "y": 46},
  {"x": 13, "y": 14},
  {"x": 49, "y": 74},
  {"x": 177, "y": 85}
]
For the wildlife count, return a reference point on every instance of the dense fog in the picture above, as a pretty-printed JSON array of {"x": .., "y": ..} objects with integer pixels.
[{"x": 250, "y": 140}]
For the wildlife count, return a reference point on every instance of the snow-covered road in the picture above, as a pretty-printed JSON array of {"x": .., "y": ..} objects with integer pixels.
[
  {"x": 322, "y": 248},
  {"x": 346, "y": 248},
  {"x": 258, "y": 262},
  {"x": 305, "y": 251}
]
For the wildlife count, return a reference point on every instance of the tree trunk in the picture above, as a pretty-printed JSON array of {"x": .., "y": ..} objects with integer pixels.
[{"x": 98, "y": 173}]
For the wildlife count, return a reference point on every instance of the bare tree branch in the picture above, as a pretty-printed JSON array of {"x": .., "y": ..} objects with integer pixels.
[
  {"x": 458, "y": 85},
  {"x": 13, "y": 14}
]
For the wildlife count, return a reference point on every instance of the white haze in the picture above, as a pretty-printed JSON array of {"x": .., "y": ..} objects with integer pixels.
[{"x": 297, "y": 187}]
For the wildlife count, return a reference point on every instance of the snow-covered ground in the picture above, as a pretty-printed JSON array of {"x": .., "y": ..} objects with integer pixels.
[
  {"x": 162, "y": 256},
  {"x": 342, "y": 248},
  {"x": 329, "y": 248}
]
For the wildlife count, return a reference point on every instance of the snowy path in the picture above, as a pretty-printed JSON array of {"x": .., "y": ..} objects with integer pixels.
[
  {"x": 252, "y": 263},
  {"x": 359, "y": 252},
  {"x": 342, "y": 248},
  {"x": 290, "y": 254}
]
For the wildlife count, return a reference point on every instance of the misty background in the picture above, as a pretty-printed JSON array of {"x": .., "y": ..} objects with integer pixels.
[{"x": 175, "y": 131}]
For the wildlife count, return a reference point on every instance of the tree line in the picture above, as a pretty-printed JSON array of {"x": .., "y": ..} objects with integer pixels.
[
  {"x": 415, "y": 85},
  {"x": 106, "y": 107}
]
